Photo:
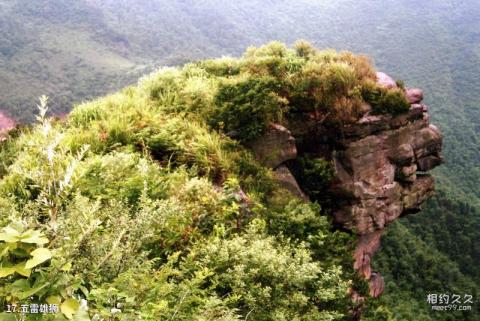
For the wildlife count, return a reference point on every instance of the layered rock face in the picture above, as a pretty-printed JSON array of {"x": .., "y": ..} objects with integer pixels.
[
  {"x": 382, "y": 169},
  {"x": 380, "y": 163}
]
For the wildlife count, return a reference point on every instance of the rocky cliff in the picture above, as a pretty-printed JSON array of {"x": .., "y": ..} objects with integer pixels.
[{"x": 380, "y": 166}]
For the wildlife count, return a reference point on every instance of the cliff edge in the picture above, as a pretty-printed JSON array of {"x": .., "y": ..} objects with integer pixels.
[{"x": 380, "y": 164}]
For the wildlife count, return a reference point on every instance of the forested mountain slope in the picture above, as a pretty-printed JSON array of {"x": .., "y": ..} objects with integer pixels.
[{"x": 72, "y": 50}]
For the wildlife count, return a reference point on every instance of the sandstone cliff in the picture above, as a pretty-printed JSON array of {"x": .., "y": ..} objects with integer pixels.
[{"x": 380, "y": 167}]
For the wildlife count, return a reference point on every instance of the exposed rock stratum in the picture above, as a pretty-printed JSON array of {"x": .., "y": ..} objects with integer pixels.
[{"x": 380, "y": 165}]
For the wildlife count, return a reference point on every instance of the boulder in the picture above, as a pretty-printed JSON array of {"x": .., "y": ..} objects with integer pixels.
[
  {"x": 385, "y": 80},
  {"x": 414, "y": 95},
  {"x": 429, "y": 162},
  {"x": 377, "y": 168},
  {"x": 286, "y": 179},
  {"x": 367, "y": 245},
  {"x": 379, "y": 171},
  {"x": 376, "y": 285},
  {"x": 273, "y": 148},
  {"x": 428, "y": 141},
  {"x": 407, "y": 174},
  {"x": 377, "y": 161},
  {"x": 422, "y": 189}
]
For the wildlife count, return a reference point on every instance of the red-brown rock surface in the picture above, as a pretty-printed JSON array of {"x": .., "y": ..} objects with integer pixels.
[
  {"x": 6, "y": 123},
  {"x": 276, "y": 146},
  {"x": 377, "y": 285},
  {"x": 382, "y": 168},
  {"x": 385, "y": 80},
  {"x": 286, "y": 179},
  {"x": 380, "y": 163},
  {"x": 379, "y": 171},
  {"x": 414, "y": 95}
]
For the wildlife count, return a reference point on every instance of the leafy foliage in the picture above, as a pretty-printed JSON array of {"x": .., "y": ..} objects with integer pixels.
[
  {"x": 385, "y": 101},
  {"x": 417, "y": 274},
  {"x": 316, "y": 175},
  {"x": 239, "y": 97},
  {"x": 169, "y": 199},
  {"x": 96, "y": 44},
  {"x": 244, "y": 107},
  {"x": 24, "y": 272}
]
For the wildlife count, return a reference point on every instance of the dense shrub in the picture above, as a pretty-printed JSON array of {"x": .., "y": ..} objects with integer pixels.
[
  {"x": 393, "y": 102},
  {"x": 223, "y": 67},
  {"x": 243, "y": 107},
  {"x": 266, "y": 279},
  {"x": 144, "y": 205},
  {"x": 239, "y": 97},
  {"x": 385, "y": 101},
  {"x": 316, "y": 176}
]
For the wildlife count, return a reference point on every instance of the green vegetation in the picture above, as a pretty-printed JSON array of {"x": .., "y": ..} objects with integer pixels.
[
  {"x": 75, "y": 50},
  {"x": 442, "y": 263},
  {"x": 240, "y": 97},
  {"x": 316, "y": 175},
  {"x": 139, "y": 202},
  {"x": 244, "y": 107},
  {"x": 382, "y": 100}
]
